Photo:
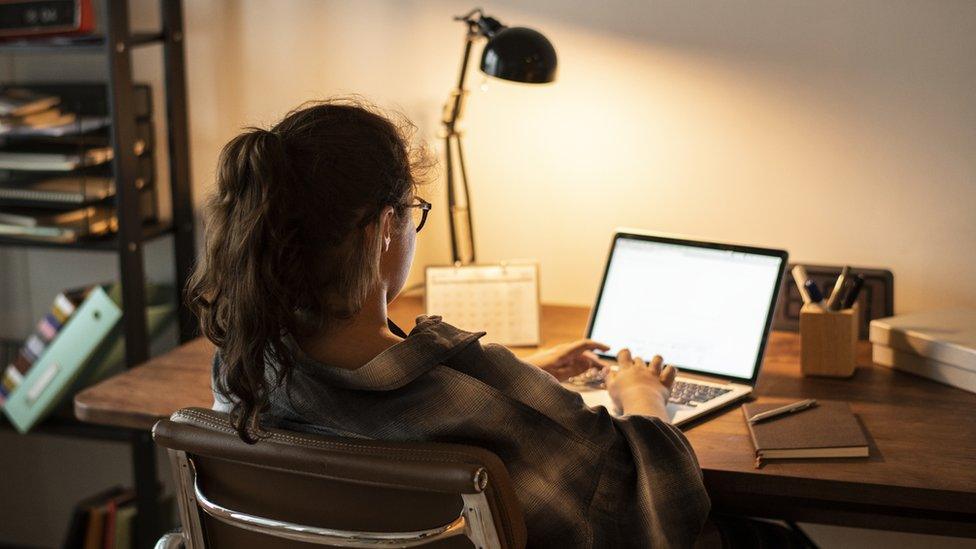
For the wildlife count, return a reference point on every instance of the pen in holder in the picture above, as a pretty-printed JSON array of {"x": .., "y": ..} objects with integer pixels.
[{"x": 828, "y": 341}]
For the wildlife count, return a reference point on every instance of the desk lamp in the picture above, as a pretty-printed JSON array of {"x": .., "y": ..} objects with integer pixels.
[{"x": 518, "y": 54}]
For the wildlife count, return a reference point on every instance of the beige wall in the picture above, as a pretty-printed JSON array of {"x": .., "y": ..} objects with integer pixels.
[{"x": 842, "y": 131}]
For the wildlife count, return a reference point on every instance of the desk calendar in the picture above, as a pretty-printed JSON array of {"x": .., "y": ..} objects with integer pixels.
[{"x": 502, "y": 300}]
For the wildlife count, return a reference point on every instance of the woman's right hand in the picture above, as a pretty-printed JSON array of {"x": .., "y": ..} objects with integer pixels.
[{"x": 640, "y": 388}]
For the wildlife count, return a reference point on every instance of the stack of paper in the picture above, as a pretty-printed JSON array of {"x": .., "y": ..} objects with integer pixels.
[
  {"x": 22, "y": 111},
  {"x": 24, "y": 102},
  {"x": 57, "y": 191},
  {"x": 56, "y": 225},
  {"x": 939, "y": 345},
  {"x": 54, "y": 159}
]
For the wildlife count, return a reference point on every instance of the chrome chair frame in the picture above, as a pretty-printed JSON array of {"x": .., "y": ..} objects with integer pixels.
[{"x": 475, "y": 520}]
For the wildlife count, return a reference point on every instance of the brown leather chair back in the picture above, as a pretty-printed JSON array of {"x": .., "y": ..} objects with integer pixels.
[{"x": 298, "y": 490}]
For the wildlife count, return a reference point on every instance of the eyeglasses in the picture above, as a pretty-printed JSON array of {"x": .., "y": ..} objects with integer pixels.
[{"x": 421, "y": 209}]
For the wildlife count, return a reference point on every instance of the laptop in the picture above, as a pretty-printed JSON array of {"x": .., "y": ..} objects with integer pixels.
[{"x": 705, "y": 307}]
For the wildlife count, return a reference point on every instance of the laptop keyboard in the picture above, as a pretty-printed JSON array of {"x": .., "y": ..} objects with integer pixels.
[{"x": 693, "y": 394}]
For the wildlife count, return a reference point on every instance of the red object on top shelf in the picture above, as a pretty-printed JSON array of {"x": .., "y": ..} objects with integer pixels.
[{"x": 21, "y": 19}]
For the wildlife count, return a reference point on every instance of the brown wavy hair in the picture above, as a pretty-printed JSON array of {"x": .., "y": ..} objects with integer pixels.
[{"x": 292, "y": 243}]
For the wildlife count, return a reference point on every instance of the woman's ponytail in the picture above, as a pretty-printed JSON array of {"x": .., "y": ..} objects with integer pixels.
[{"x": 245, "y": 300}]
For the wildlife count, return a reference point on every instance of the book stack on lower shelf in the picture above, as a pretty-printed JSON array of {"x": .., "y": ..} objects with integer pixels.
[
  {"x": 103, "y": 521},
  {"x": 939, "y": 345},
  {"x": 106, "y": 520},
  {"x": 56, "y": 177}
]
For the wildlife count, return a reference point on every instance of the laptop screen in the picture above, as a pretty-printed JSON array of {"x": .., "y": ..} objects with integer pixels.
[{"x": 703, "y": 307}]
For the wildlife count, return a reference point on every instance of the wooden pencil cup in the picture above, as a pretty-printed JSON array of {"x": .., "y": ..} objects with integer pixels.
[{"x": 828, "y": 341}]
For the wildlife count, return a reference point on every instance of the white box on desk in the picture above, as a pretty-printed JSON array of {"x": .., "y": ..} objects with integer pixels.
[
  {"x": 947, "y": 336},
  {"x": 942, "y": 372}
]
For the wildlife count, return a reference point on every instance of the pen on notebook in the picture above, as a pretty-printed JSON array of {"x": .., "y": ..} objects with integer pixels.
[
  {"x": 853, "y": 290},
  {"x": 814, "y": 292},
  {"x": 788, "y": 409},
  {"x": 800, "y": 277},
  {"x": 834, "y": 301}
]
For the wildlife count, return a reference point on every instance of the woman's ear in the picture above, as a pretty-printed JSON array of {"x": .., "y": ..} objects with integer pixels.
[{"x": 387, "y": 219}]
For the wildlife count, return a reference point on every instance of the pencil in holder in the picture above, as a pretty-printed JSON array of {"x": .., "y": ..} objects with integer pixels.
[{"x": 828, "y": 341}]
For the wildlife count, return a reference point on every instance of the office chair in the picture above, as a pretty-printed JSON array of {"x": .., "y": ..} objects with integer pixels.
[{"x": 296, "y": 490}]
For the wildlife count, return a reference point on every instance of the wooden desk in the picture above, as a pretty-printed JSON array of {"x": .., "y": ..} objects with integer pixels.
[{"x": 921, "y": 475}]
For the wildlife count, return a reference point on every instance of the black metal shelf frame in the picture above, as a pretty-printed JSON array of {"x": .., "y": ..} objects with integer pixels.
[
  {"x": 89, "y": 44},
  {"x": 116, "y": 43}
]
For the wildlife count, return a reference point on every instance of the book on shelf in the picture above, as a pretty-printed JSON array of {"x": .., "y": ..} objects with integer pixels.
[
  {"x": 102, "y": 521},
  {"x": 78, "y": 526},
  {"x": 124, "y": 521},
  {"x": 23, "y": 101},
  {"x": 113, "y": 517},
  {"x": 106, "y": 520},
  {"x": 95, "y": 529}
]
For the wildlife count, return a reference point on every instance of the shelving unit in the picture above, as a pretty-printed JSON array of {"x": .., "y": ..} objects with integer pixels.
[{"x": 115, "y": 44}]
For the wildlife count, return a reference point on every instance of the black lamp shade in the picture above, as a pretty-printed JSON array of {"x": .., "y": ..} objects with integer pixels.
[{"x": 521, "y": 55}]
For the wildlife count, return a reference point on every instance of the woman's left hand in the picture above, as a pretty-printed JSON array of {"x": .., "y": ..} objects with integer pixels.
[{"x": 569, "y": 359}]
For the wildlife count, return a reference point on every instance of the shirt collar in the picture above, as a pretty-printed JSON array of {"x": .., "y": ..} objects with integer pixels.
[{"x": 430, "y": 342}]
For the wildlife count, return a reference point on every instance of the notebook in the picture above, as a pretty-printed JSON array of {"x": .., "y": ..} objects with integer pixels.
[{"x": 827, "y": 430}]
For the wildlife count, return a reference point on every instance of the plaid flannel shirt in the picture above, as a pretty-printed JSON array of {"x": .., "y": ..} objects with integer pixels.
[{"x": 583, "y": 477}]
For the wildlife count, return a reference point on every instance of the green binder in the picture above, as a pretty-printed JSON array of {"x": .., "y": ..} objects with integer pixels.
[{"x": 55, "y": 371}]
